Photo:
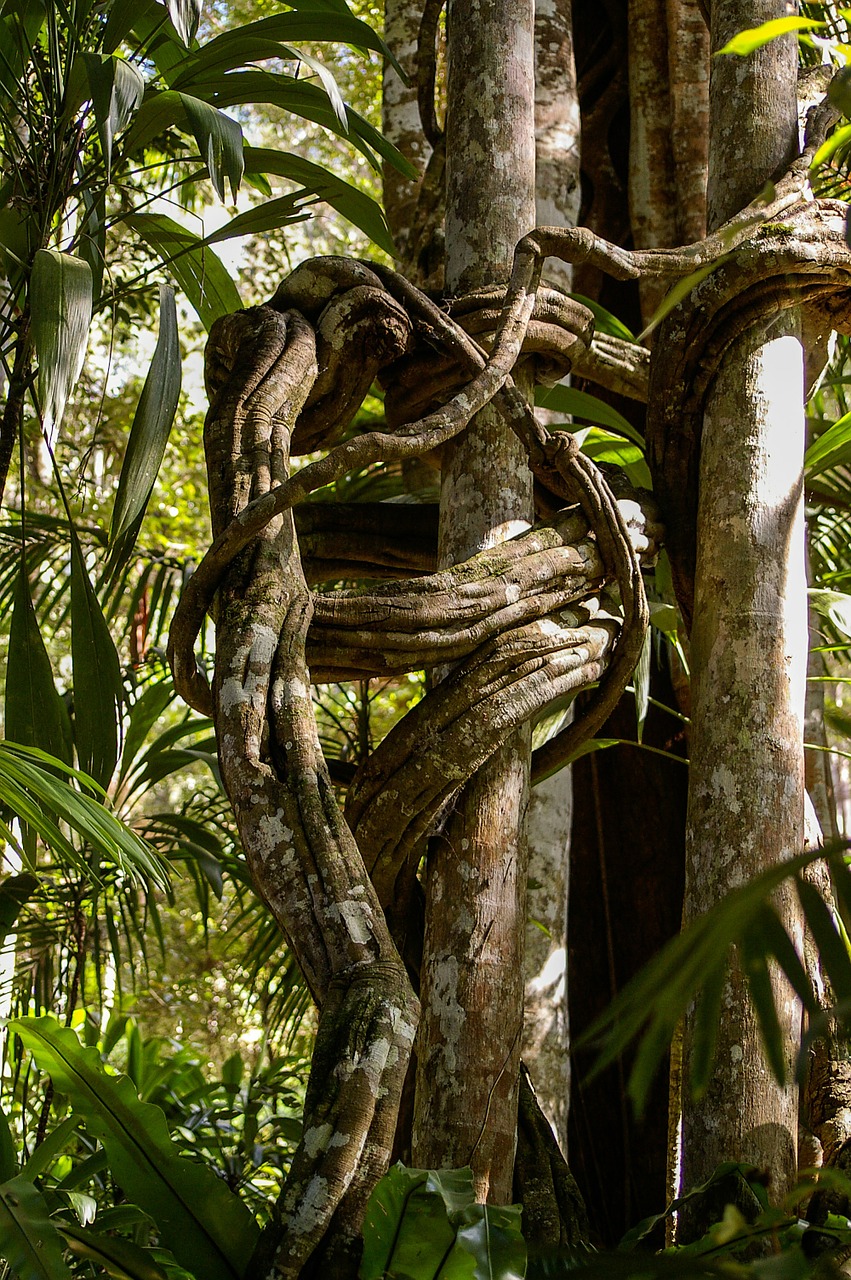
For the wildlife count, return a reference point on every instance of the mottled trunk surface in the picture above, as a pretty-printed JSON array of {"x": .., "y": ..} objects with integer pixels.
[
  {"x": 472, "y": 974},
  {"x": 749, "y": 641}
]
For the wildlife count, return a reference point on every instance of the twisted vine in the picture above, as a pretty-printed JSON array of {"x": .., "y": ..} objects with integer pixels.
[{"x": 525, "y": 624}]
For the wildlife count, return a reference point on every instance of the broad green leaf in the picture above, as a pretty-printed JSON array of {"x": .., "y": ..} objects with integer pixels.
[
  {"x": 833, "y": 605},
  {"x": 8, "y": 1159},
  {"x": 60, "y": 297},
  {"x": 359, "y": 208},
  {"x": 206, "y": 1226},
  {"x": 30, "y": 787},
  {"x": 589, "y": 408},
  {"x": 117, "y": 88},
  {"x": 492, "y": 1235},
  {"x": 29, "y": 1242},
  {"x": 196, "y": 268},
  {"x": 152, "y": 424},
  {"x": 755, "y": 37},
  {"x": 185, "y": 15},
  {"x": 303, "y": 99},
  {"x": 98, "y": 690},
  {"x": 837, "y": 140},
  {"x": 120, "y": 1259},
  {"x": 833, "y": 447},
  {"x": 121, "y": 19},
  {"x": 605, "y": 321},
  {"x": 35, "y": 713},
  {"x": 269, "y": 37},
  {"x": 406, "y": 1232},
  {"x": 268, "y": 216},
  {"x": 52, "y": 1145},
  {"x": 219, "y": 142}
]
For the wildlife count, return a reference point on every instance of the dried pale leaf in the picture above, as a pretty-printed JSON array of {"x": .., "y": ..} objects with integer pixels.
[{"x": 60, "y": 296}]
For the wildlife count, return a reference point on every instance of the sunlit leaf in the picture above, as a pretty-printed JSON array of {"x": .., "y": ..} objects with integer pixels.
[
  {"x": 60, "y": 297},
  {"x": 833, "y": 605},
  {"x": 196, "y": 268},
  {"x": 588, "y": 408},
  {"x": 359, "y": 208},
  {"x": 219, "y": 142},
  {"x": 185, "y": 15},
  {"x": 681, "y": 290},
  {"x": 117, "y": 88},
  {"x": 152, "y": 424},
  {"x": 268, "y": 216},
  {"x": 832, "y": 448},
  {"x": 755, "y": 37},
  {"x": 29, "y": 1242}
]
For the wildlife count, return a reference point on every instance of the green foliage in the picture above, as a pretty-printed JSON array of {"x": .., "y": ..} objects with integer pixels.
[
  {"x": 424, "y": 1224},
  {"x": 207, "y": 1228}
]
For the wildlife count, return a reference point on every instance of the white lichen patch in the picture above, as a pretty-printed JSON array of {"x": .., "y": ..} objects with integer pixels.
[
  {"x": 451, "y": 1014},
  {"x": 312, "y": 1209},
  {"x": 356, "y": 916},
  {"x": 316, "y": 1139}
]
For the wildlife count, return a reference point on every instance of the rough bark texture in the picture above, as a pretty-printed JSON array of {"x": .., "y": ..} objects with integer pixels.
[
  {"x": 749, "y": 647},
  {"x": 472, "y": 974}
]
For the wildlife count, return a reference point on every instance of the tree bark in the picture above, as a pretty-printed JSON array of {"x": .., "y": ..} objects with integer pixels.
[
  {"x": 472, "y": 986},
  {"x": 749, "y": 640}
]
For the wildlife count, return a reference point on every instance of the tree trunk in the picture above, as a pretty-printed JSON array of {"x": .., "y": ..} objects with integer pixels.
[
  {"x": 472, "y": 984},
  {"x": 749, "y": 642}
]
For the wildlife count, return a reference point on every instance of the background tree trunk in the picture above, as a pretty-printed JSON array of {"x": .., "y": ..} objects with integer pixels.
[
  {"x": 749, "y": 641},
  {"x": 472, "y": 974}
]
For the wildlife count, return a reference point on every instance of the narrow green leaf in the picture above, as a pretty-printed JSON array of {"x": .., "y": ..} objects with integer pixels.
[
  {"x": 120, "y": 21},
  {"x": 706, "y": 1021},
  {"x": 206, "y": 1226},
  {"x": 8, "y": 1159},
  {"x": 833, "y": 605},
  {"x": 61, "y": 306},
  {"x": 120, "y": 1259},
  {"x": 29, "y": 1241},
  {"x": 778, "y": 943},
  {"x": 641, "y": 685},
  {"x": 29, "y": 789},
  {"x": 91, "y": 238},
  {"x": 839, "y": 90},
  {"x": 117, "y": 88},
  {"x": 834, "y": 954},
  {"x": 680, "y": 291},
  {"x": 356, "y": 206},
  {"x": 185, "y": 15},
  {"x": 196, "y": 268},
  {"x": 35, "y": 713},
  {"x": 605, "y": 321},
  {"x": 144, "y": 713},
  {"x": 833, "y": 447},
  {"x": 152, "y": 424},
  {"x": 652, "y": 1047},
  {"x": 755, "y": 37},
  {"x": 219, "y": 142},
  {"x": 755, "y": 965},
  {"x": 98, "y": 690},
  {"x": 580, "y": 404},
  {"x": 269, "y": 216},
  {"x": 837, "y": 140}
]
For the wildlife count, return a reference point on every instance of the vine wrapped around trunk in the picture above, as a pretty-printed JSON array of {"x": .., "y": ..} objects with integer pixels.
[{"x": 524, "y": 623}]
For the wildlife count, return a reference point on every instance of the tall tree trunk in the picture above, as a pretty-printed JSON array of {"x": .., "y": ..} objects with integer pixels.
[
  {"x": 749, "y": 641},
  {"x": 546, "y": 1050},
  {"x": 472, "y": 984}
]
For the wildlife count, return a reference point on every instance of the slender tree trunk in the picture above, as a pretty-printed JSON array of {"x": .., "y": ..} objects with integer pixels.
[
  {"x": 749, "y": 641},
  {"x": 472, "y": 974}
]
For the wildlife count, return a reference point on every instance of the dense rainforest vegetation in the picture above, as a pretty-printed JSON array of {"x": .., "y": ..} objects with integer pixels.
[{"x": 424, "y": 774}]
